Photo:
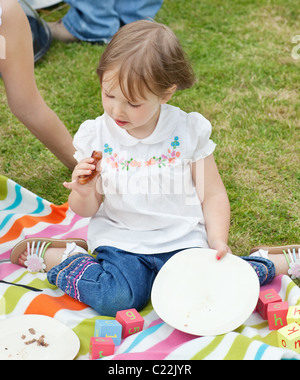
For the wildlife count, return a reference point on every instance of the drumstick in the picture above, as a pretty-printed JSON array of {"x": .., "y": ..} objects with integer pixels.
[{"x": 83, "y": 179}]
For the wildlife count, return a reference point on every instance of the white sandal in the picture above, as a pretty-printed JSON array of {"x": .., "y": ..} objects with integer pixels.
[
  {"x": 290, "y": 253},
  {"x": 36, "y": 248}
]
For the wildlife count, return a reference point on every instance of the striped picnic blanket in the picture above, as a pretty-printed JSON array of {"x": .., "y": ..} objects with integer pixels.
[{"x": 24, "y": 214}]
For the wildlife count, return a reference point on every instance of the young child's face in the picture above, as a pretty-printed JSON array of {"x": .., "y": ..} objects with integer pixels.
[{"x": 139, "y": 119}]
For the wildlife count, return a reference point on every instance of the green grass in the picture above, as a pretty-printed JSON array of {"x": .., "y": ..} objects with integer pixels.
[{"x": 248, "y": 87}]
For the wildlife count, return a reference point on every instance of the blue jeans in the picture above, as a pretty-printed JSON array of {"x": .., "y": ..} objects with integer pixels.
[
  {"x": 99, "y": 20},
  {"x": 119, "y": 280}
]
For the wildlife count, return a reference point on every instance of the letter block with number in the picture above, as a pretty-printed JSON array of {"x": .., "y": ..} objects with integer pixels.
[
  {"x": 100, "y": 347},
  {"x": 289, "y": 337},
  {"x": 109, "y": 328},
  {"x": 265, "y": 298},
  {"x": 293, "y": 314},
  {"x": 277, "y": 312},
  {"x": 131, "y": 321}
]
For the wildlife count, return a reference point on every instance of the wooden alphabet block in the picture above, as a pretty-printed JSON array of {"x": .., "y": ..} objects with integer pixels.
[
  {"x": 100, "y": 347},
  {"x": 289, "y": 337},
  {"x": 131, "y": 321},
  {"x": 266, "y": 297},
  {"x": 293, "y": 314},
  {"x": 109, "y": 328},
  {"x": 277, "y": 313}
]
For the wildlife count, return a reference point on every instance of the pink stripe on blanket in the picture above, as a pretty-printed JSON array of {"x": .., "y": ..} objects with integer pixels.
[
  {"x": 5, "y": 255},
  {"x": 156, "y": 322},
  {"x": 275, "y": 284},
  {"x": 80, "y": 233},
  {"x": 161, "y": 349},
  {"x": 7, "y": 269},
  {"x": 54, "y": 230}
]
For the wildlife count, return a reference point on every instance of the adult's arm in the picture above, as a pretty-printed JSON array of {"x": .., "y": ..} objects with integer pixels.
[{"x": 23, "y": 96}]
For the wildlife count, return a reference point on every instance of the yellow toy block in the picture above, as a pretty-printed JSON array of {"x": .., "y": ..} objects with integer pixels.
[
  {"x": 289, "y": 337},
  {"x": 293, "y": 315}
]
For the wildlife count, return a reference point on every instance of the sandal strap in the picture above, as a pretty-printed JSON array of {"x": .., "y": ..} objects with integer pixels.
[
  {"x": 291, "y": 258},
  {"x": 294, "y": 264},
  {"x": 40, "y": 252},
  {"x": 45, "y": 248}
]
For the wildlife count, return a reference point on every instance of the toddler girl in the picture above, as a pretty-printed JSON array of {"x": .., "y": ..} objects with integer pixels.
[{"x": 157, "y": 190}]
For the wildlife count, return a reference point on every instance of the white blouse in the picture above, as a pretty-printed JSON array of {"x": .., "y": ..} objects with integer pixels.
[
  {"x": 150, "y": 204},
  {"x": 0, "y": 15}
]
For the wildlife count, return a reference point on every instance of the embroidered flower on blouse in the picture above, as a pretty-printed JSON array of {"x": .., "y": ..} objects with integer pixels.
[
  {"x": 126, "y": 164},
  {"x": 163, "y": 160},
  {"x": 113, "y": 160},
  {"x": 159, "y": 161},
  {"x": 175, "y": 143},
  {"x": 107, "y": 149}
]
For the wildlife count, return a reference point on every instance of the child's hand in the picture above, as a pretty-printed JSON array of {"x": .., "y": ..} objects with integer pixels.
[
  {"x": 84, "y": 167},
  {"x": 221, "y": 247}
]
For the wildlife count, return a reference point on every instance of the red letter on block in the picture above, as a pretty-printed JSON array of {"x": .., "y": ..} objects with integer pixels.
[
  {"x": 265, "y": 298},
  {"x": 100, "y": 347},
  {"x": 131, "y": 321},
  {"x": 277, "y": 313}
]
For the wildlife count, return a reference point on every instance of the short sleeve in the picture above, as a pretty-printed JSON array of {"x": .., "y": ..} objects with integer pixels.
[
  {"x": 85, "y": 140},
  {"x": 200, "y": 132}
]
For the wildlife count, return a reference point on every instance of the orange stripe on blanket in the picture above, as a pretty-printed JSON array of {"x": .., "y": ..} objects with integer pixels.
[
  {"x": 57, "y": 215},
  {"x": 47, "y": 305}
]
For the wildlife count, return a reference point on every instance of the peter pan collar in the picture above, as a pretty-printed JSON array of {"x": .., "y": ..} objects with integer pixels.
[{"x": 167, "y": 122}]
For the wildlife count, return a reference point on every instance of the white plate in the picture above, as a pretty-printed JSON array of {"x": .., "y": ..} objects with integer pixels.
[
  {"x": 63, "y": 343},
  {"x": 195, "y": 293}
]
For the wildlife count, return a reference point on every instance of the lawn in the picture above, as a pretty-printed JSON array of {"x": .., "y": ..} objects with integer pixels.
[{"x": 247, "y": 86}]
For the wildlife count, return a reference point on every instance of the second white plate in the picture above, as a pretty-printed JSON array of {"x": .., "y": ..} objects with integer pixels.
[
  {"x": 61, "y": 342},
  {"x": 197, "y": 294}
]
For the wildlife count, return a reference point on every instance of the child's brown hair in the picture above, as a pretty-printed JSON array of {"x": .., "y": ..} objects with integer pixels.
[{"x": 146, "y": 55}]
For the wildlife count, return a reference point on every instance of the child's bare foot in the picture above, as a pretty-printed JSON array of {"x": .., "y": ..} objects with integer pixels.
[{"x": 22, "y": 259}]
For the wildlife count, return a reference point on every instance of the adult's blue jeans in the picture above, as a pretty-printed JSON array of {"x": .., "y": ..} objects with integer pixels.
[
  {"x": 99, "y": 20},
  {"x": 119, "y": 280}
]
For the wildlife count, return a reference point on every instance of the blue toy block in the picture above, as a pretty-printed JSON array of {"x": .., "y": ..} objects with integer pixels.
[{"x": 109, "y": 328}]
